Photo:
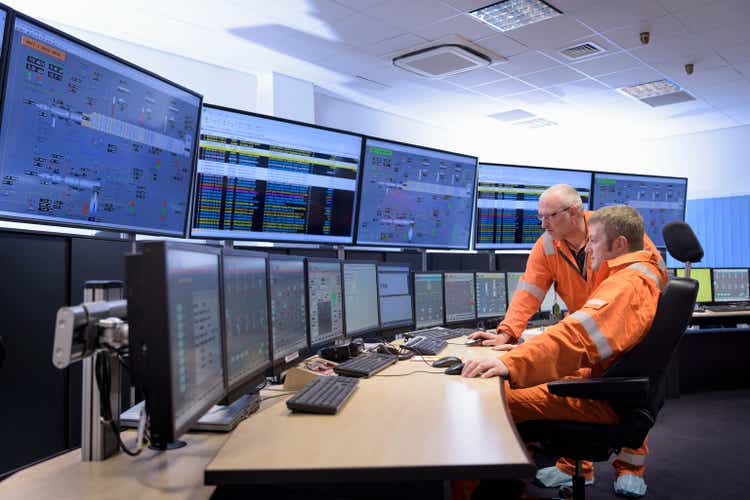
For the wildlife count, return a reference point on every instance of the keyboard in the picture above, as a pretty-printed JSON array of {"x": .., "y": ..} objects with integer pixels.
[
  {"x": 365, "y": 365},
  {"x": 425, "y": 345},
  {"x": 460, "y": 332},
  {"x": 727, "y": 307},
  {"x": 439, "y": 333},
  {"x": 324, "y": 395}
]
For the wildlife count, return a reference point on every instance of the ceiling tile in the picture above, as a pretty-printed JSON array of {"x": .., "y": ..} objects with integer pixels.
[
  {"x": 554, "y": 76},
  {"x": 729, "y": 95},
  {"x": 512, "y": 115},
  {"x": 628, "y": 37},
  {"x": 528, "y": 62},
  {"x": 475, "y": 77},
  {"x": 359, "y": 4},
  {"x": 550, "y": 33},
  {"x": 607, "y": 64},
  {"x": 393, "y": 45},
  {"x": 503, "y": 88},
  {"x": 502, "y": 45},
  {"x": 728, "y": 36},
  {"x": 360, "y": 29},
  {"x": 291, "y": 10},
  {"x": 468, "y": 5},
  {"x": 629, "y": 77},
  {"x": 677, "y": 5},
  {"x": 719, "y": 13},
  {"x": 462, "y": 24},
  {"x": 616, "y": 13},
  {"x": 702, "y": 79},
  {"x": 412, "y": 14},
  {"x": 574, "y": 6},
  {"x": 577, "y": 88},
  {"x": 682, "y": 48},
  {"x": 533, "y": 98},
  {"x": 737, "y": 54},
  {"x": 744, "y": 68}
]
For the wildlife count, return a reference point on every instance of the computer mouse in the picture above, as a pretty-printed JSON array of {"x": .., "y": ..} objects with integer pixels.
[
  {"x": 445, "y": 361},
  {"x": 387, "y": 349},
  {"x": 474, "y": 342},
  {"x": 455, "y": 369}
]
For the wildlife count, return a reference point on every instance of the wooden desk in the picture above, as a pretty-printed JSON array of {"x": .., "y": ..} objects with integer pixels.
[
  {"x": 722, "y": 314},
  {"x": 426, "y": 426}
]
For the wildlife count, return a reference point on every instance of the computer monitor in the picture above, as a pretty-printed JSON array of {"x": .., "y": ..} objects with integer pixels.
[
  {"x": 413, "y": 196},
  {"x": 91, "y": 141},
  {"x": 394, "y": 296},
  {"x": 174, "y": 318},
  {"x": 265, "y": 178},
  {"x": 460, "y": 298},
  {"x": 491, "y": 297},
  {"x": 286, "y": 288},
  {"x": 325, "y": 300},
  {"x": 731, "y": 285},
  {"x": 508, "y": 202},
  {"x": 512, "y": 279},
  {"x": 658, "y": 199},
  {"x": 360, "y": 298},
  {"x": 549, "y": 301},
  {"x": 428, "y": 299},
  {"x": 703, "y": 276},
  {"x": 247, "y": 349}
]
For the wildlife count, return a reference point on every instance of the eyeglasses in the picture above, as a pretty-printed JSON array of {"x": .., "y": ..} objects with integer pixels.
[{"x": 541, "y": 217}]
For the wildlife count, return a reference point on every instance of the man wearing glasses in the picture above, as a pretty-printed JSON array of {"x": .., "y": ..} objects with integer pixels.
[{"x": 559, "y": 257}]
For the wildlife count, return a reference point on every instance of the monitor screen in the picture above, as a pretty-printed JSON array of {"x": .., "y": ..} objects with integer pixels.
[
  {"x": 508, "y": 202},
  {"x": 658, "y": 199},
  {"x": 703, "y": 276},
  {"x": 288, "y": 313},
  {"x": 394, "y": 295},
  {"x": 491, "y": 296},
  {"x": 428, "y": 299},
  {"x": 325, "y": 301},
  {"x": 460, "y": 303},
  {"x": 415, "y": 197},
  {"x": 262, "y": 178},
  {"x": 245, "y": 316},
  {"x": 550, "y": 299},
  {"x": 360, "y": 297},
  {"x": 91, "y": 141},
  {"x": 731, "y": 285},
  {"x": 512, "y": 279}
]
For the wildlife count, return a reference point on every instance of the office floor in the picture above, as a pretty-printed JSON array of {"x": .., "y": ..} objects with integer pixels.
[{"x": 694, "y": 449}]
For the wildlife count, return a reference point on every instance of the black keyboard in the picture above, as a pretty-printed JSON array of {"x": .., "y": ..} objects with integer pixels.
[
  {"x": 323, "y": 395},
  {"x": 365, "y": 365},
  {"x": 727, "y": 307},
  {"x": 460, "y": 332},
  {"x": 425, "y": 345},
  {"x": 439, "y": 333}
]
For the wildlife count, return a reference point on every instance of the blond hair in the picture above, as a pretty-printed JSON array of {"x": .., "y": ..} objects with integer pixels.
[{"x": 620, "y": 220}]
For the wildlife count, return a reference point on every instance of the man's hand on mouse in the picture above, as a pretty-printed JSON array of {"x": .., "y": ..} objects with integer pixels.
[
  {"x": 484, "y": 368},
  {"x": 491, "y": 339}
]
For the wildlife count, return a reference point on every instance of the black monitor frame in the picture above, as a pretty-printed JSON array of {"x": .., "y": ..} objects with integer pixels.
[
  {"x": 327, "y": 342},
  {"x": 394, "y": 245},
  {"x": 476, "y": 295},
  {"x": 249, "y": 382},
  {"x": 520, "y": 246},
  {"x": 713, "y": 286},
  {"x": 102, "y": 227},
  {"x": 270, "y": 236},
  {"x": 148, "y": 318},
  {"x": 414, "y": 296},
  {"x": 598, "y": 173},
  {"x": 279, "y": 364},
  {"x": 367, "y": 331},
  {"x": 471, "y": 320},
  {"x": 409, "y": 284},
  {"x": 7, "y": 33}
]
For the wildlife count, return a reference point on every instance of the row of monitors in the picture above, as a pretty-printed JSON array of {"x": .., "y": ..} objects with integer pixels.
[
  {"x": 99, "y": 143},
  {"x": 719, "y": 285}
]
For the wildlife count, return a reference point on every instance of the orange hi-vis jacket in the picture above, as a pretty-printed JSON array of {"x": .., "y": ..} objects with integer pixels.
[
  {"x": 615, "y": 318},
  {"x": 551, "y": 261}
]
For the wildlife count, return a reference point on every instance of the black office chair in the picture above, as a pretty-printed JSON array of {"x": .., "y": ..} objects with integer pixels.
[{"x": 635, "y": 384}]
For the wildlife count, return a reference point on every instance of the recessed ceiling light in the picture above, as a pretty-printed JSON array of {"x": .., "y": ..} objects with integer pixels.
[
  {"x": 535, "y": 123},
  {"x": 508, "y": 15},
  {"x": 651, "y": 89}
]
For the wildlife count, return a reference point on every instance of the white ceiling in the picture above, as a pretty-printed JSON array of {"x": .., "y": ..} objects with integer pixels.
[{"x": 333, "y": 42}]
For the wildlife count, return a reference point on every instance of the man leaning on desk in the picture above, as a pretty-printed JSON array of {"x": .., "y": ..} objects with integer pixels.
[{"x": 560, "y": 256}]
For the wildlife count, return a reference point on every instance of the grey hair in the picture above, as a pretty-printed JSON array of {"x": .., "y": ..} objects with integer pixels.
[{"x": 567, "y": 195}]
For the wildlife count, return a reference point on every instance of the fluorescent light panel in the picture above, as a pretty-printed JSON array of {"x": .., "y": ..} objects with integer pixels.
[
  {"x": 512, "y": 14},
  {"x": 651, "y": 89}
]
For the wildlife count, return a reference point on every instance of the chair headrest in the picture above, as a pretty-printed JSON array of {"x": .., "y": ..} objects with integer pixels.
[{"x": 682, "y": 244}]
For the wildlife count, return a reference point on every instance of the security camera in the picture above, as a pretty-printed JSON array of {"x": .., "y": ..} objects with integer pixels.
[
  {"x": 689, "y": 68},
  {"x": 645, "y": 37}
]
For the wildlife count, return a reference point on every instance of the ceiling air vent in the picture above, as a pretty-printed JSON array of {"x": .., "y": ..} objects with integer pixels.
[
  {"x": 581, "y": 51},
  {"x": 442, "y": 60}
]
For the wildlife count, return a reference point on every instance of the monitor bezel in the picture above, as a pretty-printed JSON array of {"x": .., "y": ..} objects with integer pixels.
[
  {"x": 284, "y": 360},
  {"x": 267, "y": 236},
  {"x": 330, "y": 341},
  {"x": 417, "y": 326},
  {"x": 256, "y": 374},
  {"x": 394, "y": 245},
  {"x": 713, "y": 286},
  {"x": 445, "y": 300},
  {"x": 86, "y": 45},
  {"x": 366, "y": 331},
  {"x": 684, "y": 206},
  {"x": 476, "y": 295},
  {"x": 410, "y": 285},
  {"x": 520, "y": 246}
]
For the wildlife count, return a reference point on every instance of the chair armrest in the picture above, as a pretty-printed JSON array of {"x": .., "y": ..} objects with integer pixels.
[{"x": 614, "y": 389}]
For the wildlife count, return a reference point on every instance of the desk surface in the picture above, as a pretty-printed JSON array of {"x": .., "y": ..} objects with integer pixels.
[{"x": 427, "y": 426}]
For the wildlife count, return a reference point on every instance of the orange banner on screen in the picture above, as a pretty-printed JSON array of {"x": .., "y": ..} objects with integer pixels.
[{"x": 43, "y": 47}]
